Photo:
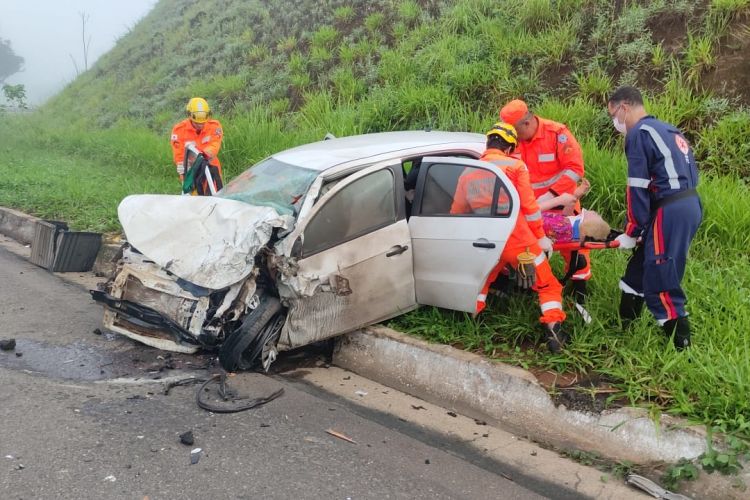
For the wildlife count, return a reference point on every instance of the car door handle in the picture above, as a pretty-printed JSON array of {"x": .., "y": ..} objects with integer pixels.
[
  {"x": 397, "y": 250},
  {"x": 483, "y": 244}
]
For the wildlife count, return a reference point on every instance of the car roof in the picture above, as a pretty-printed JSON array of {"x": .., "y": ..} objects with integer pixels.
[{"x": 327, "y": 154}]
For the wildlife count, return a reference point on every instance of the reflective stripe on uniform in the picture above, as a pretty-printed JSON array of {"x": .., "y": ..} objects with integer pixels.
[
  {"x": 503, "y": 163},
  {"x": 547, "y": 157},
  {"x": 555, "y": 178},
  {"x": 535, "y": 216},
  {"x": 674, "y": 182},
  {"x": 481, "y": 297},
  {"x": 539, "y": 259},
  {"x": 638, "y": 182},
  {"x": 581, "y": 276},
  {"x": 548, "y": 306},
  {"x": 628, "y": 289}
]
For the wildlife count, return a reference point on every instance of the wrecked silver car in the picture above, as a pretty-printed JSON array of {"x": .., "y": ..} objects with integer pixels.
[{"x": 310, "y": 243}]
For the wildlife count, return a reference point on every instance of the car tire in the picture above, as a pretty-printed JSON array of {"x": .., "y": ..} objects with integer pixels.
[{"x": 240, "y": 350}]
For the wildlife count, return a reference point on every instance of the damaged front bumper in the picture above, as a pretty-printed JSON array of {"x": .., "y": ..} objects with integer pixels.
[
  {"x": 150, "y": 305},
  {"x": 144, "y": 324}
]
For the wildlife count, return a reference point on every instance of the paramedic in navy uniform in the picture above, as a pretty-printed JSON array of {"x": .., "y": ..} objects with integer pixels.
[{"x": 663, "y": 215}]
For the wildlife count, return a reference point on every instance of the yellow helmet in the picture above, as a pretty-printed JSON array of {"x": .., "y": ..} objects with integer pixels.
[
  {"x": 506, "y": 131},
  {"x": 198, "y": 110}
]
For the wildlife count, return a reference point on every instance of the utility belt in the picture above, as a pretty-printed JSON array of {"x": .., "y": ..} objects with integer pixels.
[{"x": 668, "y": 200}]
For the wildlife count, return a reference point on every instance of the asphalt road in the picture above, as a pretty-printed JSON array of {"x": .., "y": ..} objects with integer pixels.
[{"x": 84, "y": 415}]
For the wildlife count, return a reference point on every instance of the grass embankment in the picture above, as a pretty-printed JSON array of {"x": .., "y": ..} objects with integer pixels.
[{"x": 446, "y": 65}]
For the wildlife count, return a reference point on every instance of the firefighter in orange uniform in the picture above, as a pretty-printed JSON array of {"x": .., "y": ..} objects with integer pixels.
[
  {"x": 555, "y": 163},
  {"x": 200, "y": 130},
  {"x": 474, "y": 195}
]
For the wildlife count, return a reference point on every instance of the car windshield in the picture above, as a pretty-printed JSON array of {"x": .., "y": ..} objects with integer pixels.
[{"x": 271, "y": 183}]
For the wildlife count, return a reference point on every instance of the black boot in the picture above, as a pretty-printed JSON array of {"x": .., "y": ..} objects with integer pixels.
[
  {"x": 630, "y": 308},
  {"x": 579, "y": 289},
  {"x": 556, "y": 337},
  {"x": 680, "y": 328}
]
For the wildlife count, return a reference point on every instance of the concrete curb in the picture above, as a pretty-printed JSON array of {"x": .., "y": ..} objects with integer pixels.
[
  {"x": 512, "y": 397},
  {"x": 17, "y": 225}
]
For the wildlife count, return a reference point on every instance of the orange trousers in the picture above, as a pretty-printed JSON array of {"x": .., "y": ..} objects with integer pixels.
[
  {"x": 583, "y": 274},
  {"x": 548, "y": 289}
]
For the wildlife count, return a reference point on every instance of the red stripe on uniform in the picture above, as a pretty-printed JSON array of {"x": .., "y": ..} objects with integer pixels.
[
  {"x": 658, "y": 233},
  {"x": 666, "y": 301},
  {"x": 631, "y": 225}
]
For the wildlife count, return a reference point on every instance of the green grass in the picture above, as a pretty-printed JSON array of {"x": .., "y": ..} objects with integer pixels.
[{"x": 282, "y": 74}]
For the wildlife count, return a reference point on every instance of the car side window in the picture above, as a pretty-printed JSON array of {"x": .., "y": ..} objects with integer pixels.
[
  {"x": 458, "y": 190},
  {"x": 361, "y": 207}
]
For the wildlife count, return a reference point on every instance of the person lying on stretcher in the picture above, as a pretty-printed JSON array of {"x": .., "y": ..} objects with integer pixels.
[{"x": 566, "y": 226}]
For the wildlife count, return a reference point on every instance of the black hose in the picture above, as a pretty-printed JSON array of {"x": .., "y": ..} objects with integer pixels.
[{"x": 221, "y": 378}]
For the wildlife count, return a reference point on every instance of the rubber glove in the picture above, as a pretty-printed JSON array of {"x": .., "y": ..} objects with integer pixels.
[
  {"x": 545, "y": 244},
  {"x": 180, "y": 169},
  {"x": 626, "y": 242}
]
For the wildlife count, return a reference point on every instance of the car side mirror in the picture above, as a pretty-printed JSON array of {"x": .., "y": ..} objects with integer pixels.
[{"x": 297, "y": 248}]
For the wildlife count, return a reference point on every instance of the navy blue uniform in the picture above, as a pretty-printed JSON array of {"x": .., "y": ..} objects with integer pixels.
[{"x": 664, "y": 211}]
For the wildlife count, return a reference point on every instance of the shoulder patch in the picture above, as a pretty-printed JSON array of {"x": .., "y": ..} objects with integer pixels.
[
  {"x": 562, "y": 138},
  {"x": 174, "y": 138},
  {"x": 682, "y": 144}
]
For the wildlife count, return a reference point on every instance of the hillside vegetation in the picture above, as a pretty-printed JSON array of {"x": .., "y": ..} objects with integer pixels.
[{"x": 282, "y": 73}]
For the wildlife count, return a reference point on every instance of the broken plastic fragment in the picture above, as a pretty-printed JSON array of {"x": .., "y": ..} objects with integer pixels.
[{"x": 195, "y": 455}]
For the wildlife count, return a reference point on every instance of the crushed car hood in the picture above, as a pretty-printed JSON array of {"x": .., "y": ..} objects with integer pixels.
[{"x": 208, "y": 241}]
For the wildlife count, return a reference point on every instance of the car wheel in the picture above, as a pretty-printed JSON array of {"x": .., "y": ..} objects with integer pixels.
[{"x": 256, "y": 337}]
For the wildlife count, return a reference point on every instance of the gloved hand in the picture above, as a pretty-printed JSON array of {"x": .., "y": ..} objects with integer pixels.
[
  {"x": 545, "y": 244},
  {"x": 626, "y": 242},
  {"x": 180, "y": 169}
]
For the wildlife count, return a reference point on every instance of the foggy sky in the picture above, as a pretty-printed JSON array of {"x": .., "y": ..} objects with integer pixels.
[{"x": 46, "y": 32}]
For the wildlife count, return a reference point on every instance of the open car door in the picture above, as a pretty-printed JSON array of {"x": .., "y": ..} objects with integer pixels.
[{"x": 463, "y": 213}]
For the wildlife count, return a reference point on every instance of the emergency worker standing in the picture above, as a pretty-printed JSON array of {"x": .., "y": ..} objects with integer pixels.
[
  {"x": 555, "y": 162},
  {"x": 474, "y": 193},
  {"x": 663, "y": 214},
  {"x": 200, "y": 130}
]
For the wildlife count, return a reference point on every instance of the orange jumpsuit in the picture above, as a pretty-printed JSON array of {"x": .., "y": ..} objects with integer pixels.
[
  {"x": 208, "y": 140},
  {"x": 474, "y": 195},
  {"x": 555, "y": 162}
]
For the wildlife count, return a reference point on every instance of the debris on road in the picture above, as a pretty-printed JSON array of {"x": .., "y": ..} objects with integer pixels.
[
  {"x": 418, "y": 407},
  {"x": 229, "y": 395},
  {"x": 452, "y": 414},
  {"x": 340, "y": 436},
  {"x": 97, "y": 331},
  {"x": 480, "y": 422},
  {"x": 187, "y": 381},
  {"x": 652, "y": 488},
  {"x": 7, "y": 345},
  {"x": 110, "y": 478},
  {"x": 187, "y": 438},
  {"x": 360, "y": 393},
  {"x": 195, "y": 455}
]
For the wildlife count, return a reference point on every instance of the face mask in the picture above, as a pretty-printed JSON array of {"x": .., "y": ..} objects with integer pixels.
[{"x": 619, "y": 126}]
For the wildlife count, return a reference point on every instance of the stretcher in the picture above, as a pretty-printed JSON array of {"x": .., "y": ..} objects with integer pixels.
[{"x": 574, "y": 247}]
